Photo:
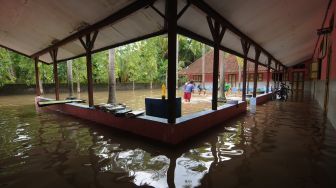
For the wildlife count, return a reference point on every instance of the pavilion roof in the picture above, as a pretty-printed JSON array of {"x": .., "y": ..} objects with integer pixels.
[{"x": 283, "y": 30}]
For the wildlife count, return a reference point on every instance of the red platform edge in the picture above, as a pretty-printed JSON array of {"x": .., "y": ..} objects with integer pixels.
[
  {"x": 151, "y": 127},
  {"x": 261, "y": 99}
]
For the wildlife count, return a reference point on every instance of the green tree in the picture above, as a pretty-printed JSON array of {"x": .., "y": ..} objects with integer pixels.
[
  {"x": 23, "y": 68},
  {"x": 99, "y": 67},
  {"x": 7, "y": 74},
  {"x": 240, "y": 62},
  {"x": 111, "y": 81},
  {"x": 79, "y": 71},
  {"x": 143, "y": 61}
]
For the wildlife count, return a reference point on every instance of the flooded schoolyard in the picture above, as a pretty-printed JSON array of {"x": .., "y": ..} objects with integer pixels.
[{"x": 284, "y": 144}]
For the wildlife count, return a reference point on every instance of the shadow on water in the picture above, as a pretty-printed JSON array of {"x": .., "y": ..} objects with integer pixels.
[{"x": 284, "y": 144}]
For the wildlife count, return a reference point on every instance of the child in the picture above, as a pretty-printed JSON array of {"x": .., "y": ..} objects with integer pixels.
[
  {"x": 199, "y": 87},
  {"x": 188, "y": 89}
]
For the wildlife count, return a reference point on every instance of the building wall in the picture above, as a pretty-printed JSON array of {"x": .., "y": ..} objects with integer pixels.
[
  {"x": 208, "y": 81},
  {"x": 318, "y": 92},
  {"x": 332, "y": 103},
  {"x": 332, "y": 38},
  {"x": 318, "y": 86},
  {"x": 307, "y": 86},
  {"x": 307, "y": 83}
]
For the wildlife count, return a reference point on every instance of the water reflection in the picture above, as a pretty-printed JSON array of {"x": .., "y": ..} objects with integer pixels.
[{"x": 274, "y": 147}]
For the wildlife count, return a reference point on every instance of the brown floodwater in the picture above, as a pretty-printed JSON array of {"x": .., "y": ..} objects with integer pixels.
[
  {"x": 283, "y": 144},
  {"x": 136, "y": 99}
]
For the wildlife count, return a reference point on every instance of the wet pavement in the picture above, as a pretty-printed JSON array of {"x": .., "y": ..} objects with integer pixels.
[{"x": 284, "y": 144}]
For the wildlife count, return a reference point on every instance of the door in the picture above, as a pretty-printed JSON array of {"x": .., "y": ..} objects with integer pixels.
[{"x": 298, "y": 81}]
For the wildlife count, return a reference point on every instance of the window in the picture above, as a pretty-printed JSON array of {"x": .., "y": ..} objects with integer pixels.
[
  {"x": 197, "y": 78},
  {"x": 315, "y": 70},
  {"x": 250, "y": 77},
  {"x": 260, "y": 76}
]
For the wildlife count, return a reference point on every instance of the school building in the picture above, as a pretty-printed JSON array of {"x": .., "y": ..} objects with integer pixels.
[{"x": 233, "y": 72}]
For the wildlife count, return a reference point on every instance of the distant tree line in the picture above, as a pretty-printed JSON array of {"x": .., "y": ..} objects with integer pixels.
[{"x": 144, "y": 61}]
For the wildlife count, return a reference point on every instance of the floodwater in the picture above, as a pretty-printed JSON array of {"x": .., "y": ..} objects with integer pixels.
[
  {"x": 136, "y": 99},
  {"x": 284, "y": 144}
]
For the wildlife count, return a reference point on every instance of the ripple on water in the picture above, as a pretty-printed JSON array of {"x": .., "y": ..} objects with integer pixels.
[{"x": 269, "y": 148}]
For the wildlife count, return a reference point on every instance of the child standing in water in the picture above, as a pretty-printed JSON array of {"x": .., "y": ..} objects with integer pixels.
[
  {"x": 188, "y": 89},
  {"x": 184, "y": 91},
  {"x": 201, "y": 89}
]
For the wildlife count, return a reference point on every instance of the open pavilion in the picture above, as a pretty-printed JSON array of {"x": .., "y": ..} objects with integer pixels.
[{"x": 270, "y": 33}]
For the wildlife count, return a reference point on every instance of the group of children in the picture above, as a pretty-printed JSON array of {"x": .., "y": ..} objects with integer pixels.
[{"x": 189, "y": 88}]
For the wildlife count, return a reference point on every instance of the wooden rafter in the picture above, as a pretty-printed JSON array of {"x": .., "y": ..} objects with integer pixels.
[
  {"x": 255, "y": 79},
  {"x": 133, "y": 7},
  {"x": 200, "y": 4},
  {"x": 179, "y": 15},
  {"x": 53, "y": 53},
  {"x": 246, "y": 47},
  {"x": 217, "y": 31}
]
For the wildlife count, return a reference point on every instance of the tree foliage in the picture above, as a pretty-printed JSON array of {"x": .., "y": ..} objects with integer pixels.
[
  {"x": 144, "y": 61},
  {"x": 15, "y": 68},
  {"x": 7, "y": 74}
]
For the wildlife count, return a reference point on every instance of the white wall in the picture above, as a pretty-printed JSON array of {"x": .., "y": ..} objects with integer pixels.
[
  {"x": 332, "y": 103},
  {"x": 318, "y": 92},
  {"x": 261, "y": 85}
]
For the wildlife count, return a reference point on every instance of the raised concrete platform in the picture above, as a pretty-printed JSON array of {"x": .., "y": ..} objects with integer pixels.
[
  {"x": 153, "y": 127},
  {"x": 263, "y": 98}
]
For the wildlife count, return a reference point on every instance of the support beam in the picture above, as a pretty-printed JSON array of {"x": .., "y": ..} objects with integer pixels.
[
  {"x": 208, "y": 10},
  {"x": 23, "y": 54},
  {"x": 70, "y": 79},
  {"x": 144, "y": 37},
  {"x": 131, "y": 8},
  {"x": 255, "y": 79},
  {"x": 278, "y": 75},
  {"x": 88, "y": 45},
  {"x": 281, "y": 73},
  {"x": 268, "y": 73},
  {"x": 183, "y": 10},
  {"x": 275, "y": 73},
  {"x": 217, "y": 32},
  {"x": 177, "y": 60},
  {"x": 53, "y": 54},
  {"x": 246, "y": 48},
  {"x": 171, "y": 15},
  {"x": 37, "y": 78},
  {"x": 187, "y": 33},
  {"x": 285, "y": 75},
  {"x": 158, "y": 11},
  {"x": 215, "y": 78},
  {"x": 89, "y": 77}
]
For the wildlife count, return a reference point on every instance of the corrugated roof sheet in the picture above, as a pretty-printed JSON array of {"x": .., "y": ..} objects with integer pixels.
[
  {"x": 229, "y": 60},
  {"x": 286, "y": 29}
]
